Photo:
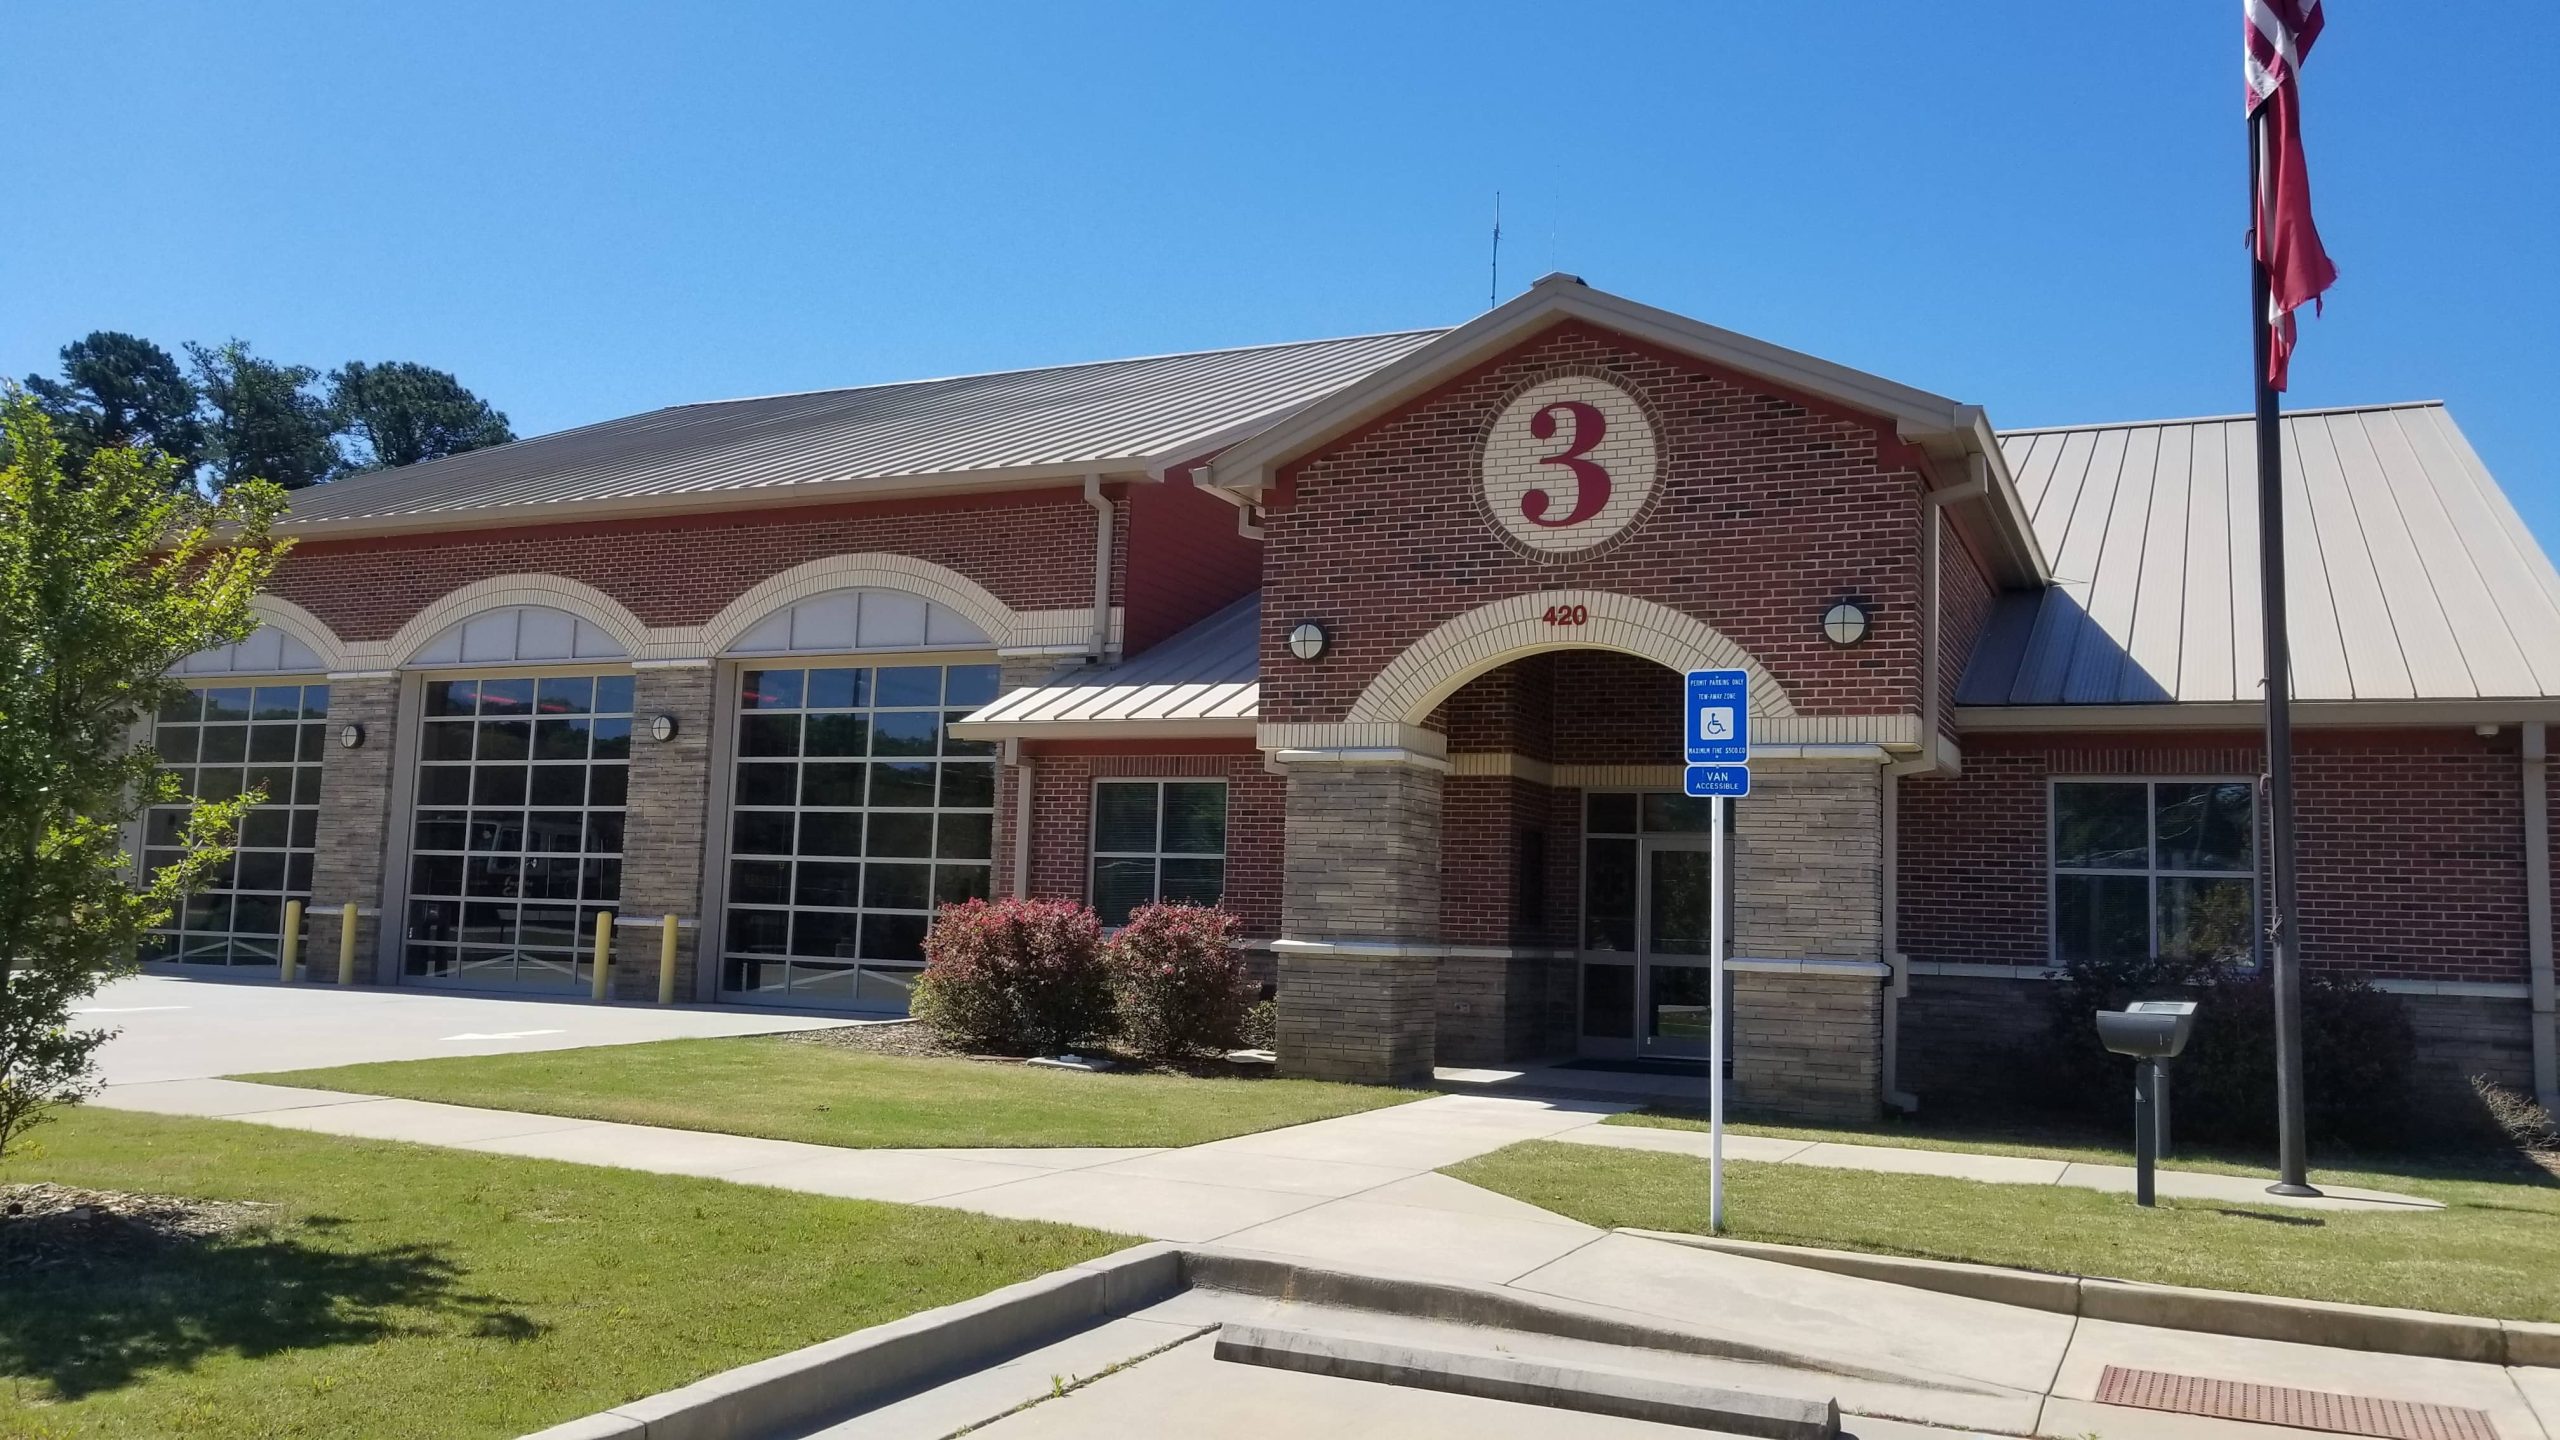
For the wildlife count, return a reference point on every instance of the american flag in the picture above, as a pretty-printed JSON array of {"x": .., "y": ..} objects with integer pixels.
[{"x": 2277, "y": 38}]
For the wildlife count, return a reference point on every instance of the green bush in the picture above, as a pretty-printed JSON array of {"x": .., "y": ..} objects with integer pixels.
[
  {"x": 2356, "y": 1047},
  {"x": 1182, "y": 984},
  {"x": 1015, "y": 977}
]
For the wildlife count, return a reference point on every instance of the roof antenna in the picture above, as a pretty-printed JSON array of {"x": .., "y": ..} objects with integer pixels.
[{"x": 1493, "y": 289}]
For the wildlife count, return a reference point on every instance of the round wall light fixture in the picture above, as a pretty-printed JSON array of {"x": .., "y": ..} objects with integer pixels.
[
  {"x": 350, "y": 736},
  {"x": 662, "y": 728},
  {"x": 1845, "y": 623},
  {"x": 1308, "y": 640}
]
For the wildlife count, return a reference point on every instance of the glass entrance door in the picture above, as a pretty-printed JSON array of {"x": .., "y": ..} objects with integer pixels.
[
  {"x": 1673, "y": 975},
  {"x": 1648, "y": 887}
]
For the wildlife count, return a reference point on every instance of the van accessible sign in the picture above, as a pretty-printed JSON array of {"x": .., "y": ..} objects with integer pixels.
[{"x": 1716, "y": 733}]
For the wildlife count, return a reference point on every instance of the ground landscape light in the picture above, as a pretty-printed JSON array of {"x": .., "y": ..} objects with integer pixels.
[
  {"x": 1307, "y": 641},
  {"x": 1845, "y": 623}
]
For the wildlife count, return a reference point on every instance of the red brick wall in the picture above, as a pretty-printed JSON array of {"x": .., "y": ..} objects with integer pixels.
[
  {"x": 1033, "y": 549},
  {"x": 1482, "y": 819},
  {"x": 2412, "y": 845},
  {"x": 1062, "y": 826},
  {"x": 1771, "y": 509},
  {"x": 1964, "y": 597},
  {"x": 1185, "y": 560}
]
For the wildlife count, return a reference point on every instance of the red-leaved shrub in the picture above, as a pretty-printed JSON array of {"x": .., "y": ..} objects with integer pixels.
[
  {"x": 1015, "y": 977},
  {"x": 1182, "y": 983}
]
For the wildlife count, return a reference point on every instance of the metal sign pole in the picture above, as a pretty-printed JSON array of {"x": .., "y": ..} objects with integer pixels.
[{"x": 1715, "y": 1018}]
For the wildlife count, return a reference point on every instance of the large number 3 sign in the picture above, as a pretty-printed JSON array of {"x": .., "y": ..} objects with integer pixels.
[
  {"x": 1590, "y": 477},
  {"x": 1568, "y": 463}
]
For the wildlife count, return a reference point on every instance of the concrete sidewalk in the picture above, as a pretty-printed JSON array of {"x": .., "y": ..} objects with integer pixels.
[
  {"x": 1993, "y": 1169},
  {"x": 1352, "y": 1191}
]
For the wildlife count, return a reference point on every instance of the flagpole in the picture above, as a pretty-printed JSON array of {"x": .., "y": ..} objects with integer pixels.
[{"x": 2283, "y": 944}]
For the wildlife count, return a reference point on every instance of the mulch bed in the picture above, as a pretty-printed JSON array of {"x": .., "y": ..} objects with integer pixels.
[
  {"x": 49, "y": 1227},
  {"x": 912, "y": 1038}
]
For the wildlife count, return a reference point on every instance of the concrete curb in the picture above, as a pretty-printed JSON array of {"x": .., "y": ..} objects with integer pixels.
[
  {"x": 1489, "y": 1377},
  {"x": 2177, "y": 1307},
  {"x": 834, "y": 1377},
  {"x": 1492, "y": 1306}
]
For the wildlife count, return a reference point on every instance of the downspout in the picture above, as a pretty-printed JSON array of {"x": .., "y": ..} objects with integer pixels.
[
  {"x": 1102, "y": 516},
  {"x": 2537, "y": 910},
  {"x": 1022, "y": 785},
  {"x": 1931, "y": 761}
]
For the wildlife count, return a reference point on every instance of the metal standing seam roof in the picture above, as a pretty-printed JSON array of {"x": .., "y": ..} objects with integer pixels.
[
  {"x": 2409, "y": 576},
  {"x": 1106, "y": 412},
  {"x": 1204, "y": 678}
]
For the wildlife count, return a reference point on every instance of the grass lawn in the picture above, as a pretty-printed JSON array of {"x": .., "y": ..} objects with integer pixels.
[
  {"x": 2494, "y": 1251},
  {"x": 406, "y": 1291},
  {"x": 787, "y": 1090}
]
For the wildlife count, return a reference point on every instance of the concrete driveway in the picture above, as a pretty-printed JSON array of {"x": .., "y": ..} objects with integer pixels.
[{"x": 171, "y": 1029}]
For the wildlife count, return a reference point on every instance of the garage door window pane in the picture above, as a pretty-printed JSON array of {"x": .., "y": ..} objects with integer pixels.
[
  {"x": 843, "y": 794},
  {"x": 236, "y": 918}
]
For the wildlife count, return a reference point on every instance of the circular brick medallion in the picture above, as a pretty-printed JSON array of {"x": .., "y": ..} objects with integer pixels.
[{"x": 1569, "y": 464}]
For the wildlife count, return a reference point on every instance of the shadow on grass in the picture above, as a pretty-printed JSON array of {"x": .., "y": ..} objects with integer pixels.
[{"x": 105, "y": 1322}]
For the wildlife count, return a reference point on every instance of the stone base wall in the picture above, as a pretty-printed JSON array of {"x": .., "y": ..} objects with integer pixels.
[
  {"x": 1966, "y": 1040},
  {"x": 1494, "y": 1009},
  {"x": 1364, "y": 1019},
  {"x": 1808, "y": 1047}
]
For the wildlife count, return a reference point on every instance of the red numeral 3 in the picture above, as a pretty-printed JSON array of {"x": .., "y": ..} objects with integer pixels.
[{"x": 1590, "y": 480}]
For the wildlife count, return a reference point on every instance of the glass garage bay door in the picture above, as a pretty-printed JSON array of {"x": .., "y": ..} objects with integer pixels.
[
  {"x": 516, "y": 839},
  {"x": 219, "y": 742},
  {"x": 853, "y": 814}
]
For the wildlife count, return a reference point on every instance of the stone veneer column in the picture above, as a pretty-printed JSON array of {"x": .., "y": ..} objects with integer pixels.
[
  {"x": 353, "y": 844},
  {"x": 1360, "y": 919},
  {"x": 1808, "y": 1030},
  {"x": 664, "y": 831}
]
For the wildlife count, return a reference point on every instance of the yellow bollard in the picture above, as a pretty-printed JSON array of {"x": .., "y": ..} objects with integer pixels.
[
  {"x": 667, "y": 960},
  {"x": 290, "y": 953},
  {"x": 604, "y": 953},
  {"x": 347, "y": 944}
]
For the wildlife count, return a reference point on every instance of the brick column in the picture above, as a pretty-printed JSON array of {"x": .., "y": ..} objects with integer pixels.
[
  {"x": 1360, "y": 919},
  {"x": 663, "y": 834},
  {"x": 1809, "y": 886},
  {"x": 354, "y": 838}
]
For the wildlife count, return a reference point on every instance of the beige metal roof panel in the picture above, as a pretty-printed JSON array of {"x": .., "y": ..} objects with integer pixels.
[
  {"x": 2409, "y": 575},
  {"x": 1206, "y": 677},
  {"x": 1114, "y": 412}
]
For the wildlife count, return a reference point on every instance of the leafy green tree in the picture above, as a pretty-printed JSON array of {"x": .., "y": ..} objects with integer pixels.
[
  {"x": 119, "y": 389},
  {"x": 106, "y": 580},
  {"x": 264, "y": 422},
  {"x": 401, "y": 412}
]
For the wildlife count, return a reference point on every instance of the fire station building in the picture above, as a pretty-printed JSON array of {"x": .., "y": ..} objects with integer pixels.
[{"x": 1378, "y": 641}]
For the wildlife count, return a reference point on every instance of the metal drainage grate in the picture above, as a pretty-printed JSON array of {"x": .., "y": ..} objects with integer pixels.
[{"x": 2283, "y": 1405}]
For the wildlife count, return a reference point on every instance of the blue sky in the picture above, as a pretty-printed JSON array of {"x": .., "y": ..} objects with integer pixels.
[{"x": 587, "y": 210}]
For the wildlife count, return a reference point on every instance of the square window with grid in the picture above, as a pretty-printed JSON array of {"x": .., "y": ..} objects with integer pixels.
[
  {"x": 2146, "y": 868},
  {"x": 227, "y": 740},
  {"x": 516, "y": 838},
  {"x": 854, "y": 814},
  {"x": 1157, "y": 840}
]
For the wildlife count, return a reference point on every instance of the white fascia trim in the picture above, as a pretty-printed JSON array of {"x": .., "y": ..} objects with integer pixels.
[
  {"x": 2249, "y": 714},
  {"x": 693, "y": 502},
  {"x": 1246, "y": 466}
]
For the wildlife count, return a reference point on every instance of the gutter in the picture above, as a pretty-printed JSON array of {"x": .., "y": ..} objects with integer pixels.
[
  {"x": 1102, "y": 517},
  {"x": 2537, "y": 910},
  {"x": 1932, "y": 760}
]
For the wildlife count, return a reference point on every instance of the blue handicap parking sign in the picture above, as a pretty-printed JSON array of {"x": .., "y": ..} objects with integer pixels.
[
  {"x": 1716, "y": 729},
  {"x": 1705, "y": 781}
]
